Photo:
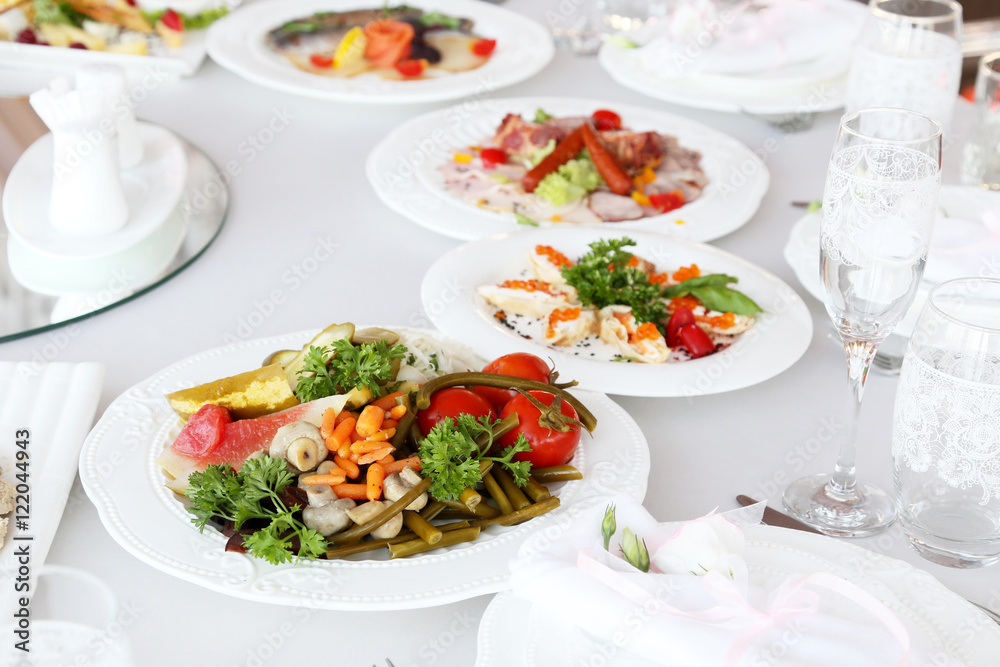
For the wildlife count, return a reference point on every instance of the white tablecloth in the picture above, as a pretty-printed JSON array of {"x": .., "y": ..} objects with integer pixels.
[{"x": 305, "y": 191}]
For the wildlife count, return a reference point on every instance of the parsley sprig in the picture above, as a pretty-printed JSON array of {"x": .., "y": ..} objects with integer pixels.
[
  {"x": 342, "y": 366},
  {"x": 254, "y": 493},
  {"x": 453, "y": 449},
  {"x": 603, "y": 278}
]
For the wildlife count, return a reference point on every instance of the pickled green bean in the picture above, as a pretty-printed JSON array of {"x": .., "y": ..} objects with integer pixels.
[{"x": 418, "y": 546}]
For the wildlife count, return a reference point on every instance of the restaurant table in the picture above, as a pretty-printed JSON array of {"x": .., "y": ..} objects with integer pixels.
[{"x": 307, "y": 243}]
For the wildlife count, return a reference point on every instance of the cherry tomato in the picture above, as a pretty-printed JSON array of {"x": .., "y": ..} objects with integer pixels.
[
  {"x": 696, "y": 341},
  {"x": 605, "y": 119},
  {"x": 452, "y": 402},
  {"x": 517, "y": 364},
  {"x": 410, "y": 67},
  {"x": 491, "y": 157},
  {"x": 667, "y": 201},
  {"x": 483, "y": 47},
  {"x": 549, "y": 446},
  {"x": 319, "y": 60},
  {"x": 172, "y": 20},
  {"x": 680, "y": 319}
]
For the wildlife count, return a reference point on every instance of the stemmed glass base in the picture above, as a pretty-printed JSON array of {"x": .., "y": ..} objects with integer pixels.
[{"x": 861, "y": 511}]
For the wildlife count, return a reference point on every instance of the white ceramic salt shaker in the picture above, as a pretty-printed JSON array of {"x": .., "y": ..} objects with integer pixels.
[{"x": 87, "y": 196}]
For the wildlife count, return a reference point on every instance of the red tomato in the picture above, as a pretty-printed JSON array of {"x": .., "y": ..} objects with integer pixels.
[
  {"x": 605, "y": 119},
  {"x": 696, "y": 341},
  {"x": 319, "y": 60},
  {"x": 410, "y": 67},
  {"x": 491, "y": 157},
  {"x": 452, "y": 402},
  {"x": 680, "y": 319},
  {"x": 549, "y": 446},
  {"x": 483, "y": 47},
  {"x": 519, "y": 365},
  {"x": 667, "y": 201},
  {"x": 172, "y": 20}
]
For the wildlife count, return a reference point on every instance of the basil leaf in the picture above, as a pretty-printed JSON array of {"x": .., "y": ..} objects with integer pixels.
[
  {"x": 725, "y": 300},
  {"x": 710, "y": 280}
]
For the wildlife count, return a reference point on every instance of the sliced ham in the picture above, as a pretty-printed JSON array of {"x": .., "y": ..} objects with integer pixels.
[
  {"x": 614, "y": 208},
  {"x": 520, "y": 137}
]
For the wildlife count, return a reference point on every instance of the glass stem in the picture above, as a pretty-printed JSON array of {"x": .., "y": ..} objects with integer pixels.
[{"x": 860, "y": 353}]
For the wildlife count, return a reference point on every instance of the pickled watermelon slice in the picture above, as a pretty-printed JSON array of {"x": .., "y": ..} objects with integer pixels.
[{"x": 209, "y": 438}]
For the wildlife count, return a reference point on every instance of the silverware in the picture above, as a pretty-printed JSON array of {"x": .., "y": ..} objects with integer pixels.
[
  {"x": 788, "y": 122},
  {"x": 773, "y": 517},
  {"x": 995, "y": 617}
]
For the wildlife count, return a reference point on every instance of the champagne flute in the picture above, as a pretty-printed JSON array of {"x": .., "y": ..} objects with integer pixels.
[{"x": 879, "y": 204}]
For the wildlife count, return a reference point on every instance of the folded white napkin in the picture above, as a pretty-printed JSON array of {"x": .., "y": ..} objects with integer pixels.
[
  {"x": 671, "y": 616},
  {"x": 743, "y": 37},
  {"x": 46, "y": 411},
  {"x": 961, "y": 248}
]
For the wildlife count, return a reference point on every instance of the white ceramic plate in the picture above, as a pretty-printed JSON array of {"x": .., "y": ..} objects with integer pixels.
[
  {"x": 510, "y": 634},
  {"x": 782, "y": 335},
  {"x": 237, "y": 43},
  {"x": 799, "y": 87},
  {"x": 403, "y": 169},
  {"x": 31, "y": 66},
  {"x": 964, "y": 203},
  {"x": 119, "y": 473}
]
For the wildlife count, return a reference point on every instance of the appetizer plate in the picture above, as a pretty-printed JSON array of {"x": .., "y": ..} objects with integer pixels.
[
  {"x": 25, "y": 68},
  {"x": 937, "y": 619},
  {"x": 797, "y": 87},
  {"x": 403, "y": 169},
  {"x": 783, "y": 331},
  {"x": 119, "y": 473},
  {"x": 237, "y": 42}
]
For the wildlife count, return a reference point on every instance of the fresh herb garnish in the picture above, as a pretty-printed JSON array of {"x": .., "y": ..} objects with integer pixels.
[
  {"x": 451, "y": 452},
  {"x": 714, "y": 294},
  {"x": 437, "y": 19},
  {"x": 50, "y": 11},
  {"x": 435, "y": 364},
  {"x": 254, "y": 493},
  {"x": 603, "y": 278},
  {"x": 524, "y": 220},
  {"x": 343, "y": 366},
  {"x": 541, "y": 116},
  {"x": 210, "y": 16}
]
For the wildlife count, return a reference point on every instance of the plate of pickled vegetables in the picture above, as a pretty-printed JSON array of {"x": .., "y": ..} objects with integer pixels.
[
  {"x": 356, "y": 468},
  {"x": 425, "y": 51}
]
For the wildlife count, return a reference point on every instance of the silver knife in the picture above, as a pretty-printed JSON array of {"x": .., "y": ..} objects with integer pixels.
[{"x": 773, "y": 517}]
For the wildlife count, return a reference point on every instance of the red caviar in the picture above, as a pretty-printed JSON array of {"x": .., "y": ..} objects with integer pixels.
[
  {"x": 529, "y": 286},
  {"x": 558, "y": 259},
  {"x": 686, "y": 273},
  {"x": 646, "y": 331}
]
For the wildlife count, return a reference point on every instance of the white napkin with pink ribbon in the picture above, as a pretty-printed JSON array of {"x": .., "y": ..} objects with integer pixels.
[{"x": 696, "y": 606}]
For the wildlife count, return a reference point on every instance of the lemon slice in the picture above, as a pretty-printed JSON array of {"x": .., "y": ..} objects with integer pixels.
[{"x": 351, "y": 49}]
